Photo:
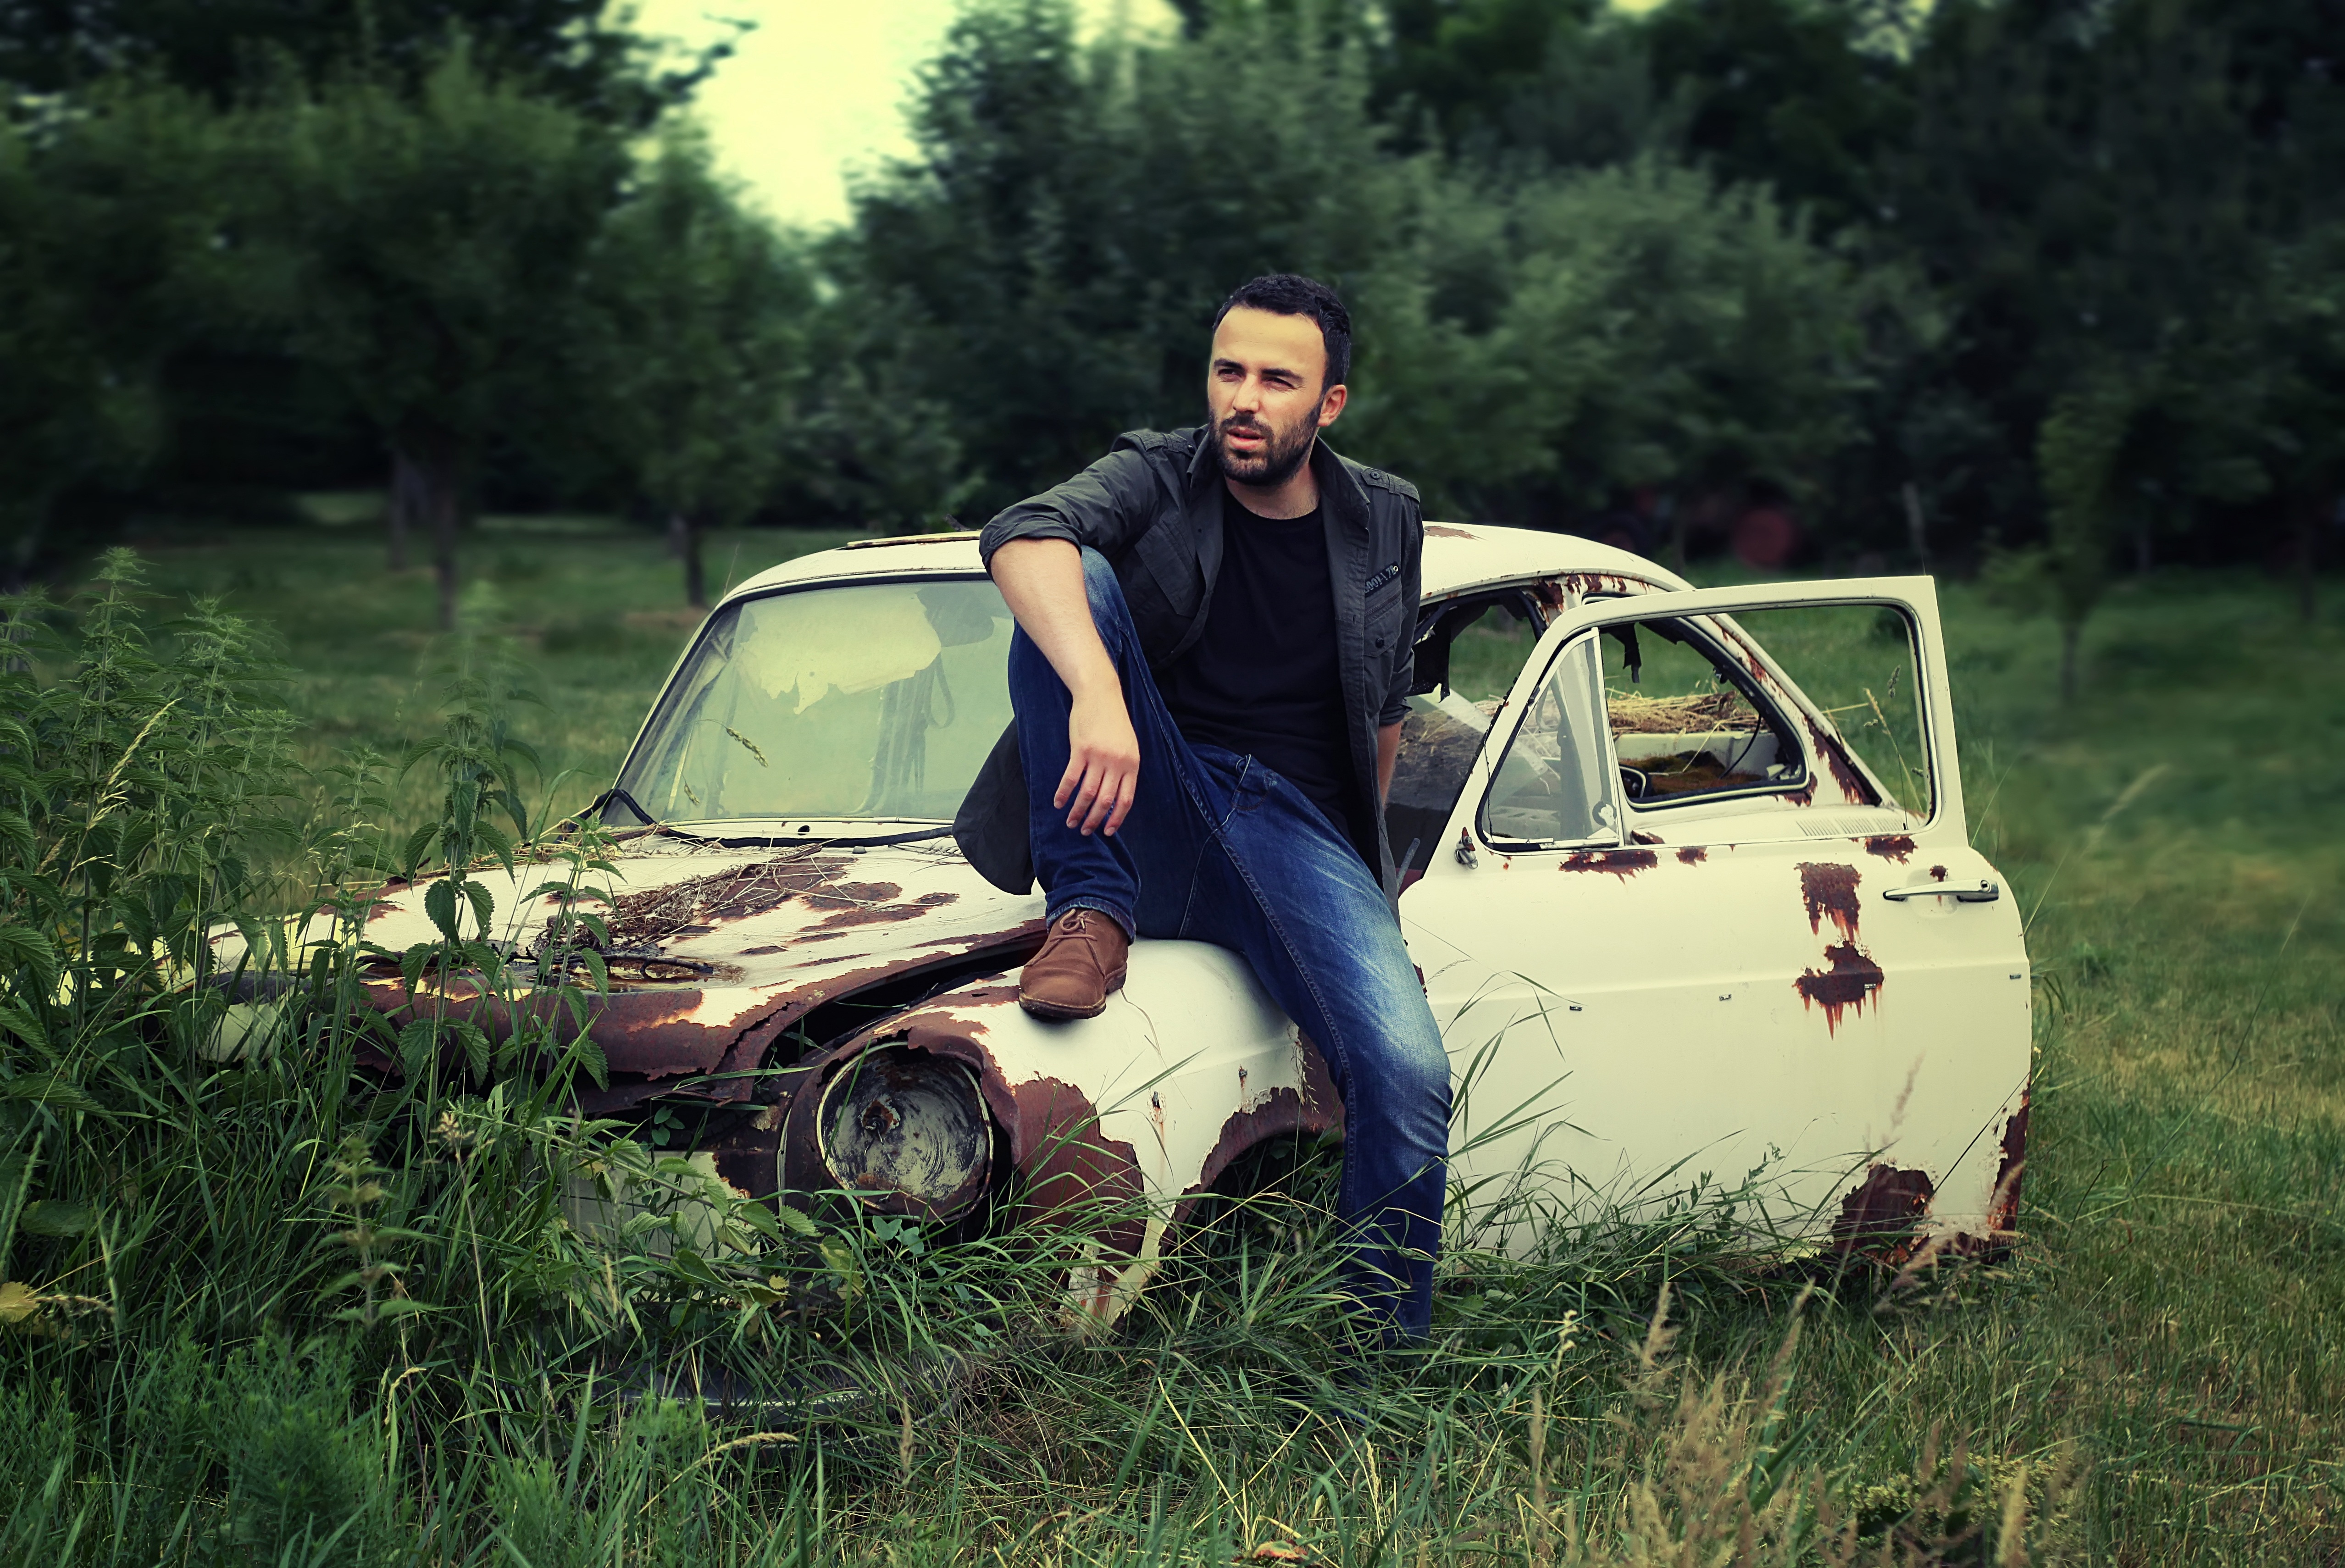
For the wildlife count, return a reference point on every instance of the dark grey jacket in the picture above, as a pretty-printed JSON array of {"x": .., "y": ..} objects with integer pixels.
[{"x": 1152, "y": 506}]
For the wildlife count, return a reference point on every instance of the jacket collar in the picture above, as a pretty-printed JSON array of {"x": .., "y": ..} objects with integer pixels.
[{"x": 1339, "y": 489}]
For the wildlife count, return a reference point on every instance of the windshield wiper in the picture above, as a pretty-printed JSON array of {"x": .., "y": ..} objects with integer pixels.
[
  {"x": 647, "y": 823},
  {"x": 851, "y": 841}
]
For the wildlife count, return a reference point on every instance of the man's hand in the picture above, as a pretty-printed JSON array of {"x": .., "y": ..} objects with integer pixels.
[{"x": 1102, "y": 764}]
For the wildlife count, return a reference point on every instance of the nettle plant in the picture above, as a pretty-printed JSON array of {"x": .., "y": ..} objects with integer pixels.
[{"x": 188, "y": 999}]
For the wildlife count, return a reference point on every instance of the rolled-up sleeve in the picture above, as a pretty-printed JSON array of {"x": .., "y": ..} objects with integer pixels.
[
  {"x": 1105, "y": 507},
  {"x": 1412, "y": 591}
]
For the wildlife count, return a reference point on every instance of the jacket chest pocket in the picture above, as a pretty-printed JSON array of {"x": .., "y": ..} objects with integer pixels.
[
  {"x": 1381, "y": 608},
  {"x": 1168, "y": 567}
]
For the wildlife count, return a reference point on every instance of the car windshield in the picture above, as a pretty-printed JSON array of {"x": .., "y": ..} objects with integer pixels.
[{"x": 876, "y": 701}]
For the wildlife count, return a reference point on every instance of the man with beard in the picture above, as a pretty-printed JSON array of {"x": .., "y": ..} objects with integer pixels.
[{"x": 1211, "y": 663}]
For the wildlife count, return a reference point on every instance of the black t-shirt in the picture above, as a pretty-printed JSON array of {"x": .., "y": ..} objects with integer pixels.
[{"x": 1261, "y": 679}]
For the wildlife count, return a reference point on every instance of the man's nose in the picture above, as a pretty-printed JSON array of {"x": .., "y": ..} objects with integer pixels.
[{"x": 1249, "y": 396}]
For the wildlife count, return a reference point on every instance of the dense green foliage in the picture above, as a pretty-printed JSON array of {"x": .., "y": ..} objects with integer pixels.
[
  {"x": 696, "y": 311},
  {"x": 425, "y": 250},
  {"x": 1920, "y": 276}
]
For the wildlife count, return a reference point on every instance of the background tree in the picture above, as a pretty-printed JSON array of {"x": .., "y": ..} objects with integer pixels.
[
  {"x": 435, "y": 248},
  {"x": 701, "y": 310},
  {"x": 1608, "y": 331},
  {"x": 109, "y": 208},
  {"x": 1560, "y": 83},
  {"x": 2301, "y": 422},
  {"x": 1056, "y": 251},
  {"x": 871, "y": 447},
  {"x": 584, "y": 54}
]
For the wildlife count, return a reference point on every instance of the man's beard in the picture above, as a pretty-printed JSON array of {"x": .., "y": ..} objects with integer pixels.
[{"x": 1280, "y": 456}]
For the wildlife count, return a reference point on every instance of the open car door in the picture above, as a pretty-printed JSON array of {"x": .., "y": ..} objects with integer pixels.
[{"x": 1707, "y": 917}]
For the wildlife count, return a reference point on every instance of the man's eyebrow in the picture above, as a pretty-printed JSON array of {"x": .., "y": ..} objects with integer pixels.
[{"x": 1226, "y": 363}]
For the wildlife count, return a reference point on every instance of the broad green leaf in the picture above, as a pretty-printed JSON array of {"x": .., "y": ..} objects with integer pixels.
[
  {"x": 419, "y": 844},
  {"x": 439, "y": 903},
  {"x": 49, "y": 1089},
  {"x": 57, "y": 1217}
]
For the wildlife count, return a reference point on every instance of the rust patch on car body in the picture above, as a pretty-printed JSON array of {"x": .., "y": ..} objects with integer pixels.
[
  {"x": 1620, "y": 862},
  {"x": 657, "y": 913},
  {"x": 1446, "y": 530},
  {"x": 1897, "y": 846},
  {"x": 1072, "y": 1173},
  {"x": 852, "y": 894},
  {"x": 1828, "y": 890},
  {"x": 1693, "y": 854},
  {"x": 1844, "y": 771},
  {"x": 651, "y": 1036},
  {"x": 1641, "y": 836},
  {"x": 1937, "y": 873},
  {"x": 1281, "y": 1113},
  {"x": 1882, "y": 1213},
  {"x": 1586, "y": 583},
  {"x": 1852, "y": 979},
  {"x": 852, "y": 913},
  {"x": 2003, "y": 1213}
]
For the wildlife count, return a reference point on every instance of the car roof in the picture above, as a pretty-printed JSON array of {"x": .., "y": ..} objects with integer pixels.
[{"x": 1457, "y": 557}]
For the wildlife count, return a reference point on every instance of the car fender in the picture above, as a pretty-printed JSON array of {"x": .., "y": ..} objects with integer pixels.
[{"x": 1118, "y": 1123}]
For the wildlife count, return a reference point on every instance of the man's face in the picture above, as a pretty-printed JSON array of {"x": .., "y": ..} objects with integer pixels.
[{"x": 1266, "y": 393}]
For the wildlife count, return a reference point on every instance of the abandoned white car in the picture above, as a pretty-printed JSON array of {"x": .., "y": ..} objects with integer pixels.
[{"x": 1687, "y": 876}]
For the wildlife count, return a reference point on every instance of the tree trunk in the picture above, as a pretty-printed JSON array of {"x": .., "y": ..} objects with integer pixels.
[
  {"x": 679, "y": 535},
  {"x": 686, "y": 530},
  {"x": 2305, "y": 550},
  {"x": 444, "y": 508},
  {"x": 439, "y": 482},
  {"x": 1917, "y": 532},
  {"x": 24, "y": 522},
  {"x": 2071, "y": 631},
  {"x": 404, "y": 506},
  {"x": 2144, "y": 556}
]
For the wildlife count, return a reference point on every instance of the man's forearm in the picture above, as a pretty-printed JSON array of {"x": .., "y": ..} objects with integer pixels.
[{"x": 1042, "y": 582}]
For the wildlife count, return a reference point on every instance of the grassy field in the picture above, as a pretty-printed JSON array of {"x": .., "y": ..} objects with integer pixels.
[{"x": 2156, "y": 1376}]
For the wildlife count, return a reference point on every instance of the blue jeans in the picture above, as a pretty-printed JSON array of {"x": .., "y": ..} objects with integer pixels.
[{"x": 1219, "y": 848}]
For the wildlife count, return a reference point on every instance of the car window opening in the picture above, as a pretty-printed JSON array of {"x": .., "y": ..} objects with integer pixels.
[
  {"x": 1687, "y": 722},
  {"x": 1469, "y": 653}
]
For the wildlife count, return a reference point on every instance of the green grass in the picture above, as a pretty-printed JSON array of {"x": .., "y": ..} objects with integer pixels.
[
  {"x": 593, "y": 608},
  {"x": 2155, "y": 1377}
]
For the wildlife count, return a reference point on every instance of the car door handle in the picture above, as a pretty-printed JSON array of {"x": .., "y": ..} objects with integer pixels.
[{"x": 1986, "y": 892}]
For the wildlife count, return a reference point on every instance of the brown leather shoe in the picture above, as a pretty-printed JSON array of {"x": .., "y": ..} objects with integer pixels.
[{"x": 1080, "y": 962}]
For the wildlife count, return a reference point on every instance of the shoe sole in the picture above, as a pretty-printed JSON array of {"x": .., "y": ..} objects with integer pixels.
[{"x": 1059, "y": 1015}]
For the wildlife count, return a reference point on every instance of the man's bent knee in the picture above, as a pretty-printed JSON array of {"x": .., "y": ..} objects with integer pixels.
[{"x": 1110, "y": 612}]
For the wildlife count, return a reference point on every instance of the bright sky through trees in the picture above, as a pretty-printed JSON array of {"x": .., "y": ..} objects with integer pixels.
[{"x": 817, "y": 90}]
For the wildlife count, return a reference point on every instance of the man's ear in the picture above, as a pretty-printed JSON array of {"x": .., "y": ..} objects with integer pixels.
[{"x": 1332, "y": 404}]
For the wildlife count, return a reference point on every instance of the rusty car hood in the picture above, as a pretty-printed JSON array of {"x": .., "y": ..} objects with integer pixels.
[{"x": 714, "y": 952}]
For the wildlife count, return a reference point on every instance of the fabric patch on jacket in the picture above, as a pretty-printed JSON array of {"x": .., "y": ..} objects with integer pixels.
[{"x": 1387, "y": 575}]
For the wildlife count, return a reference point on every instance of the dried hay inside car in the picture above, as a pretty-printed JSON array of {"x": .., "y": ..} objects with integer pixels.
[{"x": 1695, "y": 713}]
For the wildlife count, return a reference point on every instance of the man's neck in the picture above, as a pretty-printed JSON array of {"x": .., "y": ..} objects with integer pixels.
[{"x": 1297, "y": 495}]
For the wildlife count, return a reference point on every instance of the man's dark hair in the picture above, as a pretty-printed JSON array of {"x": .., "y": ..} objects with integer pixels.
[{"x": 1290, "y": 294}]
